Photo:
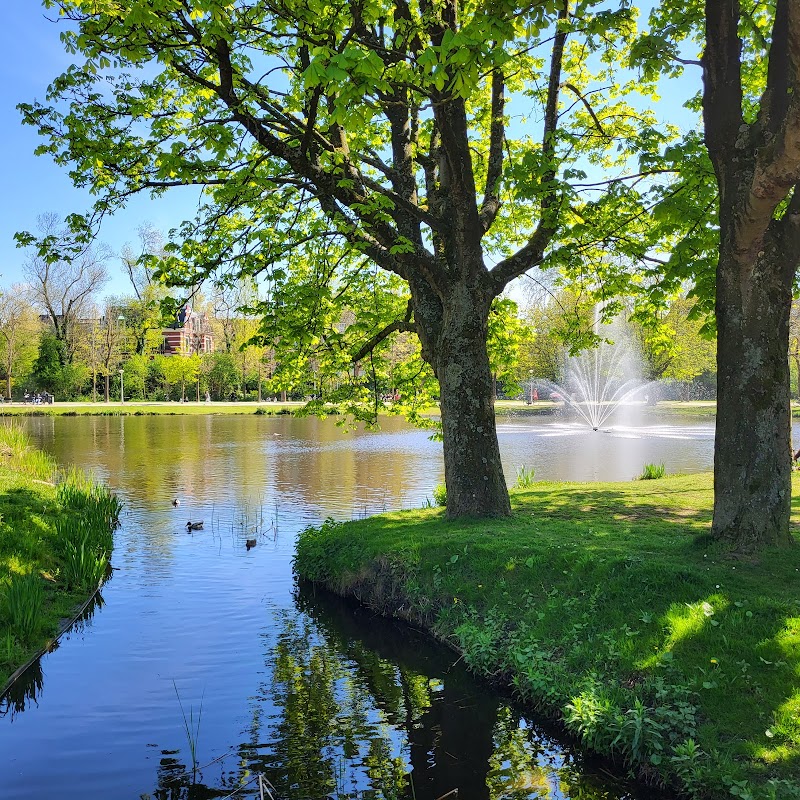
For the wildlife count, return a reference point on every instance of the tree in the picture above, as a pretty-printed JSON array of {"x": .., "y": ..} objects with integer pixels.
[
  {"x": 674, "y": 346},
  {"x": 755, "y": 150},
  {"x": 19, "y": 336},
  {"x": 64, "y": 275},
  {"x": 794, "y": 341},
  {"x": 729, "y": 224},
  {"x": 222, "y": 374},
  {"x": 113, "y": 341},
  {"x": 51, "y": 373},
  {"x": 553, "y": 320},
  {"x": 328, "y": 138},
  {"x": 181, "y": 369}
]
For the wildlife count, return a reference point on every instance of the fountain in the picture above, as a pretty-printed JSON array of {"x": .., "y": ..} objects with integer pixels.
[{"x": 600, "y": 381}]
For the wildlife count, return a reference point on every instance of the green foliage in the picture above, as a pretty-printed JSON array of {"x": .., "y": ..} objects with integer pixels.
[
  {"x": 222, "y": 374},
  {"x": 440, "y": 495},
  {"x": 651, "y": 472},
  {"x": 311, "y": 209},
  {"x": 525, "y": 477},
  {"x": 674, "y": 344},
  {"x": 16, "y": 451},
  {"x": 24, "y": 598},
  {"x": 83, "y": 567},
  {"x": 61, "y": 533}
]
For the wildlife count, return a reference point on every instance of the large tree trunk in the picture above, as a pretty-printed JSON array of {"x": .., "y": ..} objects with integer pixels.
[
  {"x": 756, "y": 161},
  {"x": 473, "y": 473},
  {"x": 752, "y": 459}
]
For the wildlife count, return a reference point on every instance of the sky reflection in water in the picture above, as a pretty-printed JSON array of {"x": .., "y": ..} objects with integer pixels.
[{"x": 320, "y": 697}]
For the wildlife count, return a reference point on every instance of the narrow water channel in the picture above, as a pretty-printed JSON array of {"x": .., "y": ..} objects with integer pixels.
[{"x": 204, "y": 653}]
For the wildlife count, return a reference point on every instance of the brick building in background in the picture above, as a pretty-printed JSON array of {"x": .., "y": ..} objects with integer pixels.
[{"x": 191, "y": 333}]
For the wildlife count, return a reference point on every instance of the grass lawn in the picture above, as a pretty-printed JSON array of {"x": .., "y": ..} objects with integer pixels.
[
  {"x": 54, "y": 545},
  {"x": 694, "y": 408},
  {"x": 144, "y": 408},
  {"x": 608, "y": 607}
]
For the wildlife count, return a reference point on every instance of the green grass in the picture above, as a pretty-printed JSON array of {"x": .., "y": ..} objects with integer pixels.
[
  {"x": 55, "y": 540},
  {"x": 652, "y": 472},
  {"x": 607, "y": 607},
  {"x": 142, "y": 408}
]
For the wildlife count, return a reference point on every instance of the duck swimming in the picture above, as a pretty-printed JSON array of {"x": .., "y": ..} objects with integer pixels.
[{"x": 194, "y": 526}]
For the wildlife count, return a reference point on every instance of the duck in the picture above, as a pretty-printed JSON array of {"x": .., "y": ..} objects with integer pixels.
[
  {"x": 194, "y": 526},
  {"x": 176, "y": 502},
  {"x": 250, "y": 543}
]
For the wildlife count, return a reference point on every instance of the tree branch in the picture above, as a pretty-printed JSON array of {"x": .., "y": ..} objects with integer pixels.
[
  {"x": 494, "y": 170},
  {"x": 398, "y": 326}
]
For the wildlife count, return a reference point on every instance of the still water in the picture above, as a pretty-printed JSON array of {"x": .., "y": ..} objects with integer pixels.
[{"x": 200, "y": 643}]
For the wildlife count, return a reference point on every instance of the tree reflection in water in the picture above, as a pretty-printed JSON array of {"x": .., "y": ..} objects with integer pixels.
[
  {"x": 355, "y": 706},
  {"x": 27, "y": 689}
]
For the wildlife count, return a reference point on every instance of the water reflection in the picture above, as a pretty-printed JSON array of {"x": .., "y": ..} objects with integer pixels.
[
  {"x": 359, "y": 707},
  {"x": 321, "y": 699},
  {"x": 28, "y": 687}
]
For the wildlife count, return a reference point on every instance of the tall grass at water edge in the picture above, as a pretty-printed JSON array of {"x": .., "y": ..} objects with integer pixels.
[
  {"x": 24, "y": 600},
  {"x": 652, "y": 472},
  {"x": 18, "y": 453},
  {"x": 56, "y": 537}
]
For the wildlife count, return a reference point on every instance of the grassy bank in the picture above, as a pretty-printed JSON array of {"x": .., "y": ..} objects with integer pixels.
[
  {"x": 503, "y": 408},
  {"x": 55, "y": 540},
  {"x": 607, "y": 607},
  {"x": 142, "y": 408},
  {"x": 693, "y": 408}
]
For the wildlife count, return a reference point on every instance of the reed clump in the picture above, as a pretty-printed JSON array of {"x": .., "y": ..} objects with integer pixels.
[{"x": 56, "y": 538}]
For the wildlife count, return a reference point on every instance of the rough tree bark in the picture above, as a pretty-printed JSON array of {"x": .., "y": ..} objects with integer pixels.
[
  {"x": 473, "y": 472},
  {"x": 757, "y": 165}
]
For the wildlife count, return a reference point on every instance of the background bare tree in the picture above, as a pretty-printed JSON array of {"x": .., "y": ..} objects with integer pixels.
[{"x": 64, "y": 277}]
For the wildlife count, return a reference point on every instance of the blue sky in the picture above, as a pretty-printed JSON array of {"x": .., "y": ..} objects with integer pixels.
[{"x": 31, "y": 55}]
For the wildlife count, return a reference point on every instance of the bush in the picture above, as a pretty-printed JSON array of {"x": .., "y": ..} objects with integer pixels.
[{"x": 440, "y": 495}]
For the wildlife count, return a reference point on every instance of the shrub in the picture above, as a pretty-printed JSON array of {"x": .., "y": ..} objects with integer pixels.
[{"x": 440, "y": 495}]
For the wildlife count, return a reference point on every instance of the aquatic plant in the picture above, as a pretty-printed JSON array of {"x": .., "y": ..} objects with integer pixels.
[
  {"x": 525, "y": 477},
  {"x": 651, "y": 472},
  {"x": 24, "y": 599},
  {"x": 79, "y": 491},
  {"x": 191, "y": 728},
  {"x": 84, "y": 568},
  {"x": 9, "y": 649}
]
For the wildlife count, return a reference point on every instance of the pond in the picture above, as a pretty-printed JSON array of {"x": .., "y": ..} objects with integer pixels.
[{"x": 203, "y": 652}]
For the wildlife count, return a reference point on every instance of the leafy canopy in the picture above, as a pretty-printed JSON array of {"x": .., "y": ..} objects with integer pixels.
[{"x": 315, "y": 133}]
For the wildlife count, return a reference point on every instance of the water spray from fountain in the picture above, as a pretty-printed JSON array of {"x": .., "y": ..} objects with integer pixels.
[{"x": 601, "y": 380}]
